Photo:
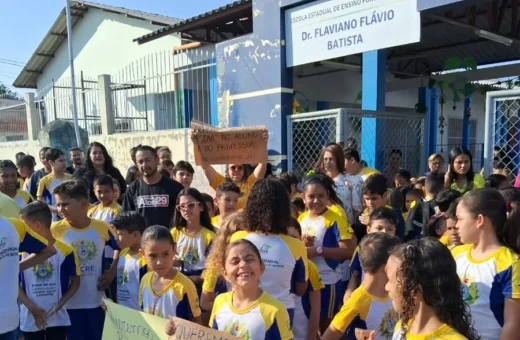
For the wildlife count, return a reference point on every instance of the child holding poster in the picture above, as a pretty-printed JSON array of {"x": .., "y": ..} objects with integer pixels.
[{"x": 165, "y": 291}]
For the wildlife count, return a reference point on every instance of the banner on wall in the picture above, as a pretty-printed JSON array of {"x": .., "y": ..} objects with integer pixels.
[
  {"x": 240, "y": 145},
  {"x": 326, "y": 29},
  {"x": 122, "y": 323}
]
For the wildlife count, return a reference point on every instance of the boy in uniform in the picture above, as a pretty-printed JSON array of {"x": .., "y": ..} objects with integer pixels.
[
  {"x": 226, "y": 200},
  {"x": 131, "y": 266},
  {"x": 8, "y": 181},
  {"x": 89, "y": 238},
  {"x": 46, "y": 288}
]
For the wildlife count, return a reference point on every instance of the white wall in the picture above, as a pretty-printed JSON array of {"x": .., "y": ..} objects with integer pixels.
[
  {"x": 342, "y": 88},
  {"x": 102, "y": 44}
]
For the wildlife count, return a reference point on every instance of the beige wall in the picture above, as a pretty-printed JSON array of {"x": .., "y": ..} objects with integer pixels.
[{"x": 119, "y": 145}]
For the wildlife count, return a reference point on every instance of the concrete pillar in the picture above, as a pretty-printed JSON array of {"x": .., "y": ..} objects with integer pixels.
[
  {"x": 106, "y": 110},
  {"x": 428, "y": 98},
  {"x": 374, "y": 91},
  {"x": 34, "y": 124}
]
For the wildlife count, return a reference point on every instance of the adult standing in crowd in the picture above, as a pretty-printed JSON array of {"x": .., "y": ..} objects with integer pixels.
[
  {"x": 460, "y": 175},
  {"x": 98, "y": 162},
  {"x": 76, "y": 158},
  {"x": 393, "y": 167},
  {"x": 32, "y": 187},
  {"x": 153, "y": 195},
  {"x": 235, "y": 173}
]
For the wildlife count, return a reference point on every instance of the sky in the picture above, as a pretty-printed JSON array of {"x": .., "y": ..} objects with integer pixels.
[{"x": 25, "y": 23}]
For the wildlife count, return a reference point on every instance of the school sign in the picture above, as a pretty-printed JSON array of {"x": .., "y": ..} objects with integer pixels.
[{"x": 329, "y": 29}]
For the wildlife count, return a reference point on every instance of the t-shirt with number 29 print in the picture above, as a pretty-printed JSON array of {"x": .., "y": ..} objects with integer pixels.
[{"x": 155, "y": 202}]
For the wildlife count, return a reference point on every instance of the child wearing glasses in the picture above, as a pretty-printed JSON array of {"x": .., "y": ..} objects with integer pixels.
[{"x": 193, "y": 234}]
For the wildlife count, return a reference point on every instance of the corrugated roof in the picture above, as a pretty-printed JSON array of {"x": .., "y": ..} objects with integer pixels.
[
  {"x": 192, "y": 22},
  {"x": 58, "y": 33}
]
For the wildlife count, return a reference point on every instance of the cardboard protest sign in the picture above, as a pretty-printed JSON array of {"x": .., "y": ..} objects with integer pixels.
[
  {"x": 122, "y": 323},
  {"x": 241, "y": 145}
]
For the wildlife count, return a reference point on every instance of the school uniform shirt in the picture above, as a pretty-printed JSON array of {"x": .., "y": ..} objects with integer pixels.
[
  {"x": 245, "y": 188},
  {"x": 266, "y": 318},
  {"x": 46, "y": 187},
  {"x": 478, "y": 182},
  {"x": 365, "y": 311},
  {"x": 193, "y": 249},
  {"x": 89, "y": 244},
  {"x": 485, "y": 286},
  {"x": 22, "y": 198},
  {"x": 155, "y": 202},
  {"x": 15, "y": 237},
  {"x": 46, "y": 283},
  {"x": 34, "y": 181},
  {"x": 285, "y": 260},
  {"x": 444, "y": 332},
  {"x": 8, "y": 207},
  {"x": 214, "y": 283},
  {"x": 327, "y": 229},
  {"x": 345, "y": 265},
  {"x": 20, "y": 182},
  {"x": 367, "y": 172},
  {"x": 178, "y": 299},
  {"x": 130, "y": 271},
  {"x": 105, "y": 214},
  {"x": 214, "y": 222},
  {"x": 302, "y": 306}
]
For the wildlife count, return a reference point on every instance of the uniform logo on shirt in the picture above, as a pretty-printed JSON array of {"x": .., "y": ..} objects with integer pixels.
[
  {"x": 388, "y": 322},
  {"x": 43, "y": 271},
  {"x": 238, "y": 329},
  {"x": 469, "y": 290},
  {"x": 264, "y": 249},
  {"x": 190, "y": 256},
  {"x": 122, "y": 277},
  {"x": 3, "y": 242},
  {"x": 86, "y": 250},
  {"x": 153, "y": 201}
]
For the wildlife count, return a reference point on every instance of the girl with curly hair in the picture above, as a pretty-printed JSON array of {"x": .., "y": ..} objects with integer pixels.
[
  {"x": 268, "y": 216},
  {"x": 488, "y": 262},
  {"x": 329, "y": 241},
  {"x": 214, "y": 283},
  {"x": 424, "y": 287}
]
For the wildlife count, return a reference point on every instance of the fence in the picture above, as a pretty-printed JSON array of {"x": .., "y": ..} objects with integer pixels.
[
  {"x": 502, "y": 146},
  {"x": 56, "y": 103},
  {"x": 476, "y": 149},
  {"x": 13, "y": 119},
  {"x": 309, "y": 132}
]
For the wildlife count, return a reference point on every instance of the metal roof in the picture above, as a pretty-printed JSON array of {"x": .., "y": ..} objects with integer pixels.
[
  {"x": 58, "y": 33},
  {"x": 196, "y": 21}
]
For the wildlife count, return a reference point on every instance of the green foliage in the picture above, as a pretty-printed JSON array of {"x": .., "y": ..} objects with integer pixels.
[{"x": 6, "y": 93}]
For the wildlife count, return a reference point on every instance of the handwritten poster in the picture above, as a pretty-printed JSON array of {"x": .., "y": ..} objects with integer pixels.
[
  {"x": 122, "y": 323},
  {"x": 241, "y": 145}
]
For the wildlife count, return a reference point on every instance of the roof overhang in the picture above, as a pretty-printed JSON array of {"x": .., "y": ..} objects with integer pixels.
[{"x": 58, "y": 33}]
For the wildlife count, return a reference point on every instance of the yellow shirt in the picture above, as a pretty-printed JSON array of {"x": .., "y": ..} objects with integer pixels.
[
  {"x": 478, "y": 182},
  {"x": 8, "y": 207},
  {"x": 245, "y": 188},
  {"x": 367, "y": 172},
  {"x": 266, "y": 318},
  {"x": 444, "y": 332},
  {"x": 214, "y": 222}
]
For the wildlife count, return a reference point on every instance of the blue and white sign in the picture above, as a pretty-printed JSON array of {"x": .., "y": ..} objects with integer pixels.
[{"x": 329, "y": 29}]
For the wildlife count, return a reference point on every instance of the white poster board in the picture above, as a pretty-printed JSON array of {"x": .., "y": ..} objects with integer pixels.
[{"x": 329, "y": 29}]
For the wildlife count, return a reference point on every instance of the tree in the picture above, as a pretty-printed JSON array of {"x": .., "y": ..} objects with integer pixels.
[{"x": 6, "y": 93}]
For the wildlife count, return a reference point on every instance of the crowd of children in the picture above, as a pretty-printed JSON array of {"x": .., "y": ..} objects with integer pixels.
[{"x": 346, "y": 258}]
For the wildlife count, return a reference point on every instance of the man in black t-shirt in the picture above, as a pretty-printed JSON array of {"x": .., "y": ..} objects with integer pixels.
[{"x": 153, "y": 196}]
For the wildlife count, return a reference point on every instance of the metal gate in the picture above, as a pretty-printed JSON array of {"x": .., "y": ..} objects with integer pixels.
[
  {"x": 13, "y": 122},
  {"x": 309, "y": 132},
  {"x": 501, "y": 139}
]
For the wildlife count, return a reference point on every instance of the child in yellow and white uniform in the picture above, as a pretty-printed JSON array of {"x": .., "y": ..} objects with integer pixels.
[
  {"x": 165, "y": 291},
  {"x": 89, "y": 238},
  {"x": 23, "y": 198},
  {"x": 266, "y": 317},
  {"x": 48, "y": 183},
  {"x": 489, "y": 276},
  {"x": 16, "y": 237},
  {"x": 307, "y": 307},
  {"x": 444, "y": 332},
  {"x": 49, "y": 285},
  {"x": 131, "y": 266},
  {"x": 226, "y": 199},
  {"x": 369, "y": 306},
  {"x": 193, "y": 249},
  {"x": 323, "y": 230},
  {"x": 8, "y": 178}
]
